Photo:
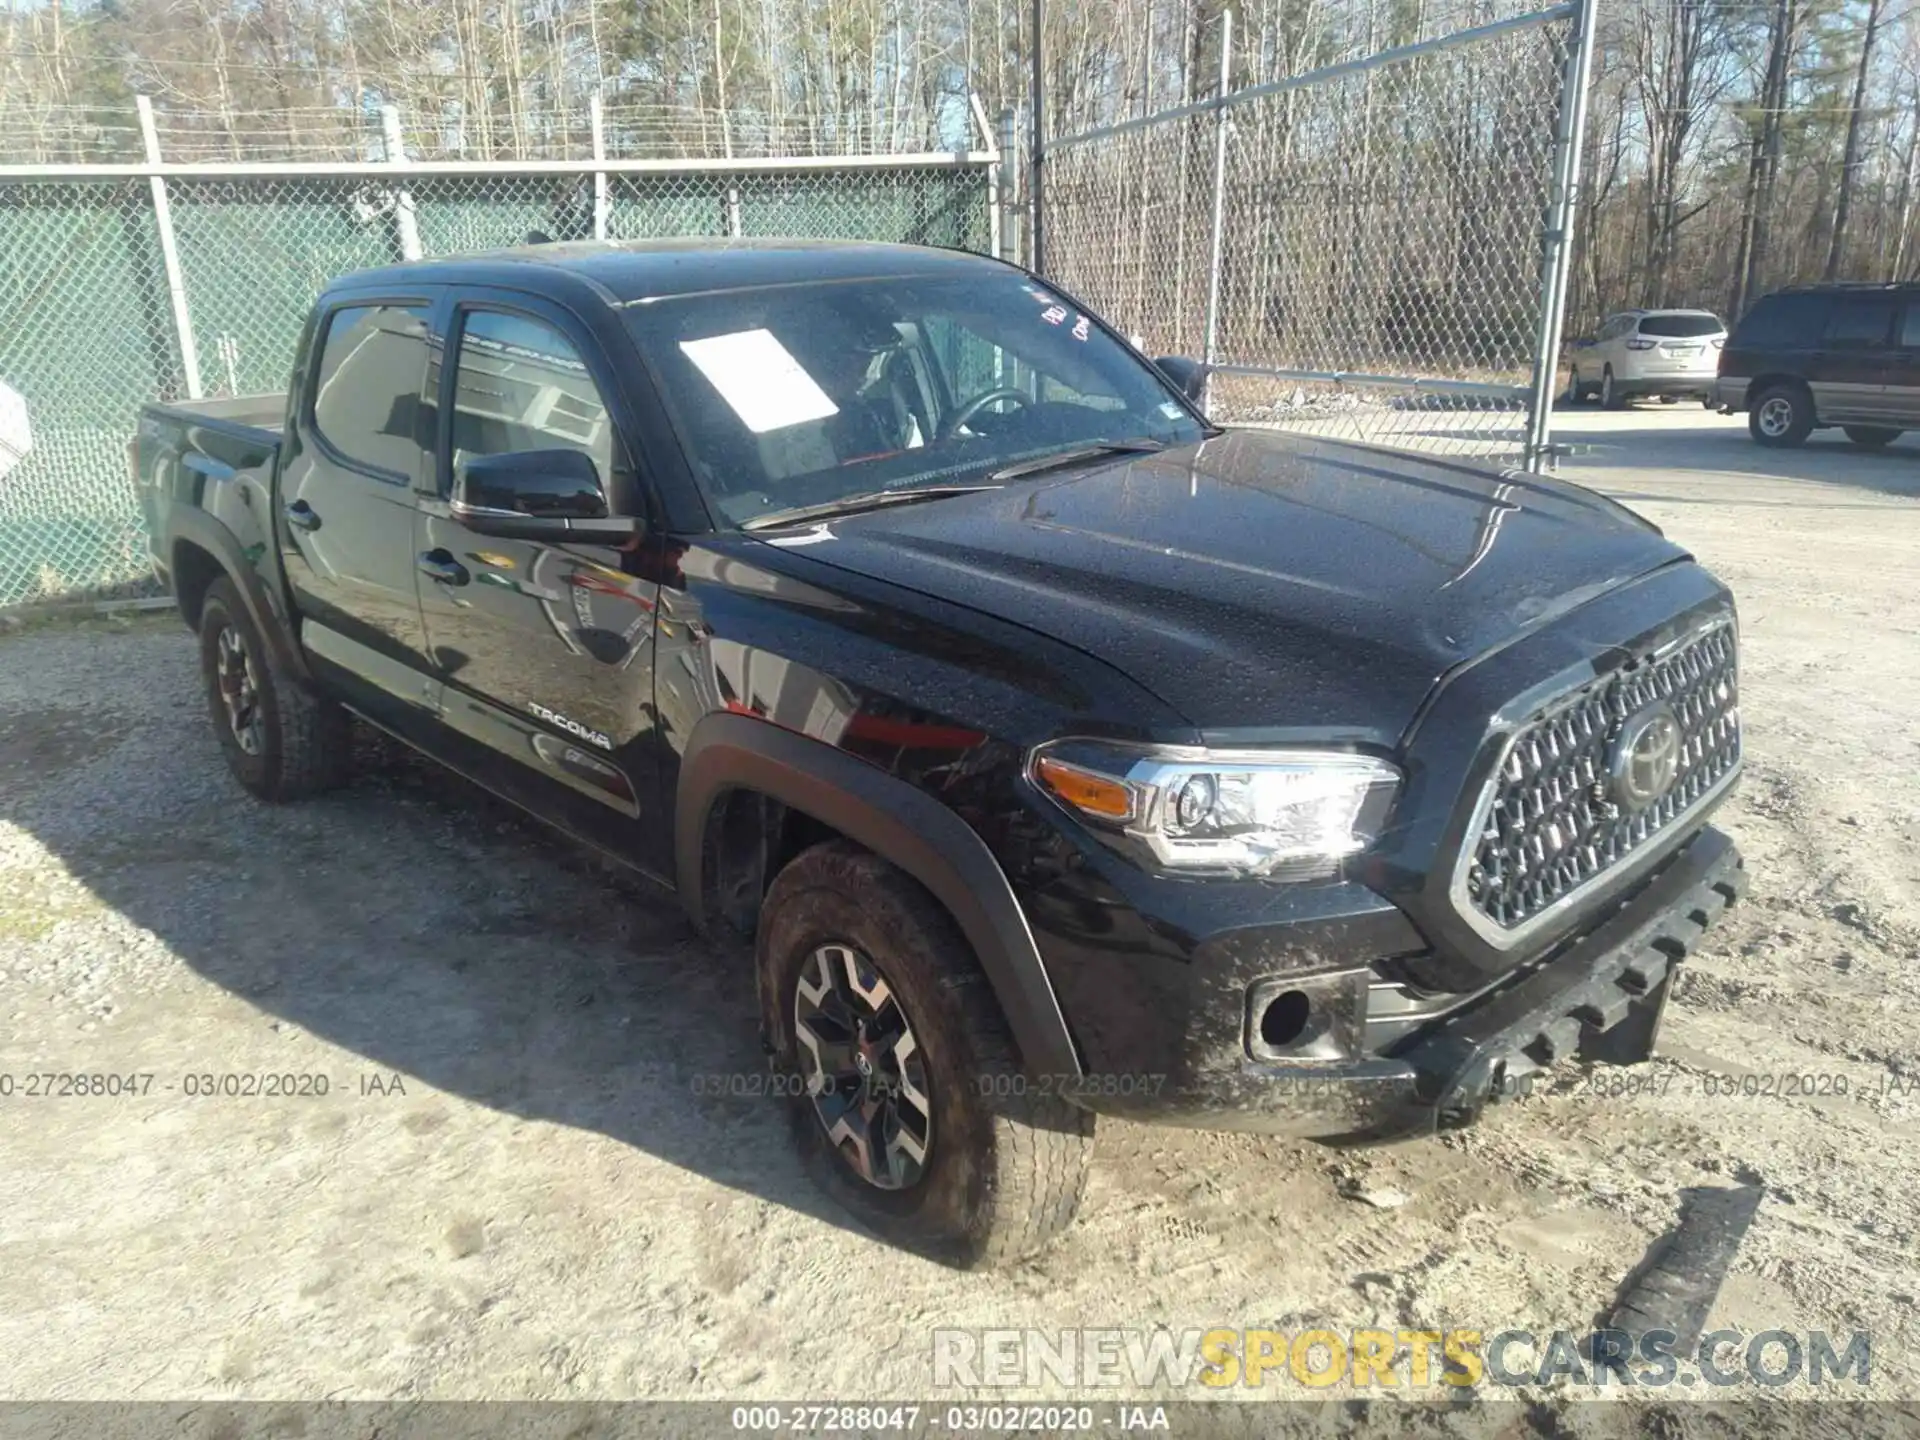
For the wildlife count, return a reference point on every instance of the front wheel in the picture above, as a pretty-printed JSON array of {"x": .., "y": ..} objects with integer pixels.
[
  {"x": 908, "y": 1100},
  {"x": 1781, "y": 417},
  {"x": 1872, "y": 437},
  {"x": 281, "y": 741},
  {"x": 1576, "y": 391}
]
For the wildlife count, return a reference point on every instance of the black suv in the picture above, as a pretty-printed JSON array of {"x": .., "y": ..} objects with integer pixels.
[
  {"x": 1057, "y": 752},
  {"x": 1822, "y": 355}
]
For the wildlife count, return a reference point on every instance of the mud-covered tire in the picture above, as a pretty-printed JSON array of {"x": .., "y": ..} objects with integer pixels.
[
  {"x": 1007, "y": 1160},
  {"x": 302, "y": 744}
]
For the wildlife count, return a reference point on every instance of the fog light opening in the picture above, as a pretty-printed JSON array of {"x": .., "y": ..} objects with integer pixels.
[{"x": 1284, "y": 1022}]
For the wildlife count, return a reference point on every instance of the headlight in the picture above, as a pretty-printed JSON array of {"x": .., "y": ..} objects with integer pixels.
[{"x": 1291, "y": 814}]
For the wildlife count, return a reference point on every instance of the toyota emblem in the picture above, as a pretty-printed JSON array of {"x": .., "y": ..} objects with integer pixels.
[{"x": 1645, "y": 758}]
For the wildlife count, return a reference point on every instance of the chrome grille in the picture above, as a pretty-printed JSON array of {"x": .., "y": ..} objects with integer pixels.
[{"x": 1549, "y": 823}]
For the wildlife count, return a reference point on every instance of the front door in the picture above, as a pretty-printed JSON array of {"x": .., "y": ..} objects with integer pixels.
[
  {"x": 360, "y": 439},
  {"x": 545, "y": 649}
]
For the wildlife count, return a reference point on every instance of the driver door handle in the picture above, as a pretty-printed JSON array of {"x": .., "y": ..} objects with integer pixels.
[
  {"x": 441, "y": 567},
  {"x": 302, "y": 516}
]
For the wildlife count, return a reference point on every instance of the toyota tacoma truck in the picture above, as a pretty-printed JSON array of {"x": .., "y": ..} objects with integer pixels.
[{"x": 1058, "y": 753}]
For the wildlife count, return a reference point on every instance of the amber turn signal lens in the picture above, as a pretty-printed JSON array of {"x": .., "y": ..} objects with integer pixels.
[{"x": 1084, "y": 790}]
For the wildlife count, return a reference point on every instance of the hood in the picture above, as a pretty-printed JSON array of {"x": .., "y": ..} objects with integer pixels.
[{"x": 1260, "y": 583}]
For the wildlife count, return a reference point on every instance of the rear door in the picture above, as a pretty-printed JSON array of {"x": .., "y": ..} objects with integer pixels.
[
  {"x": 545, "y": 649},
  {"x": 1902, "y": 397},
  {"x": 359, "y": 442},
  {"x": 1850, "y": 378}
]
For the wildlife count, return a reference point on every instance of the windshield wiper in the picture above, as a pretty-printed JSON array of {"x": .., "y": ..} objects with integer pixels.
[
  {"x": 854, "y": 504},
  {"x": 1077, "y": 454}
]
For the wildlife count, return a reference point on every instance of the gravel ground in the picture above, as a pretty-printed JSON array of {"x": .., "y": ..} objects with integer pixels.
[{"x": 515, "y": 1185}]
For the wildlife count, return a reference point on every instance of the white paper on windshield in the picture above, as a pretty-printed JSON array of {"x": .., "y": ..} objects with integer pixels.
[{"x": 760, "y": 379}]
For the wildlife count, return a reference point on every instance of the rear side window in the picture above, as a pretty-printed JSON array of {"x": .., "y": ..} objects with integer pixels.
[
  {"x": 522, "y": 386},
  {"x": 1681, "y": 327},
  {"x": 1910, "y": 327},
  {"x": 1860, "y": 322},
  {"x": 367, "y": 403},
  {"x": 1785, "y": 322}
]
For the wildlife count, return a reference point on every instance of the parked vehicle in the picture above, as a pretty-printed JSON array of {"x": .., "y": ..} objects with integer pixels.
[
  {"x": 1058, "y": 753},
  {"x": 1669, "y": 353},
  {"x": 1818, "y": 356}
]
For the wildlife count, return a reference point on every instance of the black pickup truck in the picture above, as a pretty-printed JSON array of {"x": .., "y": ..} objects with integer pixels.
[{"x": 1058, "y": 752}]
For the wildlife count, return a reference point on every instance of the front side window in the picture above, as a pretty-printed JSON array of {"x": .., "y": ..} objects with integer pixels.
[
  {"x": 789, "y": 397},
  {"x": 368, "y": 402},
  {"x": 521, "y": 385},
  {"x": 1910, "y": 326},
  {"x": 1860, "y": 322}
]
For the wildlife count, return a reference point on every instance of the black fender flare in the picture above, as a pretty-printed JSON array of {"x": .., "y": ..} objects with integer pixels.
[
  {"x": 202, "y": 531},
  {"x": 890, "y": 817}
]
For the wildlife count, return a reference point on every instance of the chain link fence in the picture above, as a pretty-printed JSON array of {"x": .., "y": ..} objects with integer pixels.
[
  {"x": 106, "y": 270},
  {"x": 1371, "y": 251}
]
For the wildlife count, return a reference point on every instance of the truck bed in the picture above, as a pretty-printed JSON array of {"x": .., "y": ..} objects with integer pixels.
[
  {"x": 207, "y": 456},
  {"x": 254, "y": 418}
]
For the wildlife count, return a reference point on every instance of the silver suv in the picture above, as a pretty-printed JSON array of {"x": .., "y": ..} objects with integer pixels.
[{"x": 1670, "y": 353}]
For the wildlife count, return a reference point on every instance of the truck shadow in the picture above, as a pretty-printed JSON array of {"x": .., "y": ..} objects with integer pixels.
[{"x": 422, "y": 927}]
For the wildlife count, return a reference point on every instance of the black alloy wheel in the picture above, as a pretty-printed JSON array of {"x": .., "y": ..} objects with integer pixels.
[{"x": 862, "y": 1067}]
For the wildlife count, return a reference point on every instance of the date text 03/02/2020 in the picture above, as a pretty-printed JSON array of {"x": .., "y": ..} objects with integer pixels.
[{"x": 865, "y": 1419}]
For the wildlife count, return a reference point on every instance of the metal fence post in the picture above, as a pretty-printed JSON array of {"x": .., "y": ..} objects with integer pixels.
[
  {"x": 597, "y": 120},
  {"x": 1210, "y": 345},
  {"x": 1557, "y": 251},
  {"x": 170, "y": 253},
  {"x": 406, "y": 225},
  {"x": 1009, "y": 186},
  {"x": 1036, "y": 156}
]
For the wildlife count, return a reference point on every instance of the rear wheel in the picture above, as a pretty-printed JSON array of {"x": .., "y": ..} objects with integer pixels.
[
  {"x": 281, "y": 741},
  {"x": 909, "y": 1104},
  {"x": 1872, "y": 437},
  {"x": 1781, "y": 417},
  {"x": 1610, "y": 396}
]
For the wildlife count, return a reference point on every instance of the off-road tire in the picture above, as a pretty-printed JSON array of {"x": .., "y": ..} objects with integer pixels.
[
  {"x": 1872, "y": 437},
  {"x": 1008, "y": 1157},
  {"x": 1781, "y": 416},
  {"x": 305, "y": 741}
]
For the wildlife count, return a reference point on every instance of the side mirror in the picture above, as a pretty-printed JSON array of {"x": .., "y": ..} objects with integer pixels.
[
  {"x": 1188, "y": 376},
  {"x": 535, "y": 495}
]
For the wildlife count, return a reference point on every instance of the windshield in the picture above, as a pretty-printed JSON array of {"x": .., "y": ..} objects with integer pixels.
[{"x": 795, "y": 397}]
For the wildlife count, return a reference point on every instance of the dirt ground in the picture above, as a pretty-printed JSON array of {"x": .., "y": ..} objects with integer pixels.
[{"x": 515, "y": 1184}]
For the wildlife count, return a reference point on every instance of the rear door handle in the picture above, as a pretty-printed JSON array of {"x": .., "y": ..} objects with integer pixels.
[
  {"x": 302, "y": 516},
  {"x": 440, "y": 566}
]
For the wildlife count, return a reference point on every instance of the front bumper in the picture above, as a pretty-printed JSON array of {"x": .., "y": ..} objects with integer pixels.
[{"x": 1599, "y": 996}]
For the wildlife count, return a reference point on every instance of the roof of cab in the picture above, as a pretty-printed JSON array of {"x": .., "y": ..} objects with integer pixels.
[{"x": 630, "y": 270}]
